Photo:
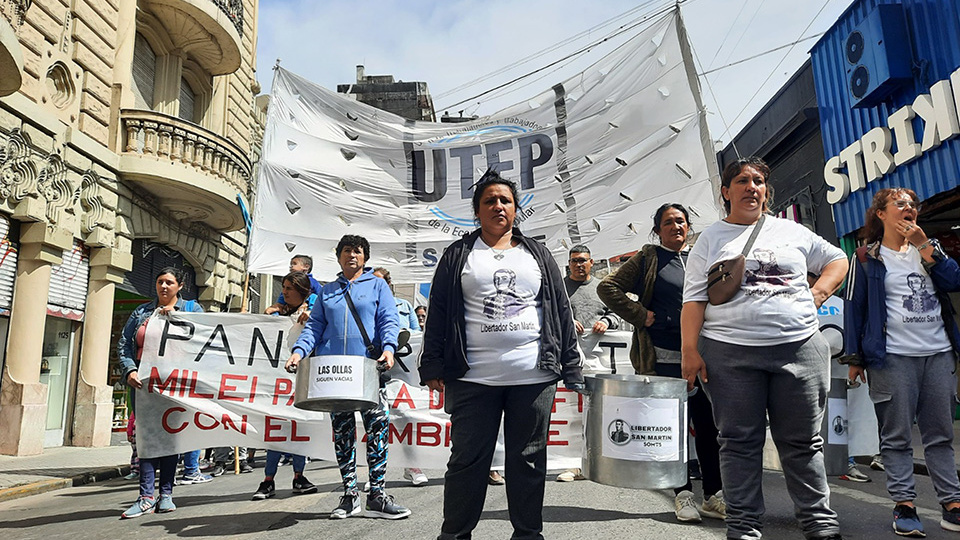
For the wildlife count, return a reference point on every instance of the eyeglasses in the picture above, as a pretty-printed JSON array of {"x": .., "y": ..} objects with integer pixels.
[
  {"x": 901, "y": 204},
  {"x": 579, "y": 260}
]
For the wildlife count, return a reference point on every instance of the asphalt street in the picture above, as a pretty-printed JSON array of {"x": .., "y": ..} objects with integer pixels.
[{"x": 223, "y": 509}]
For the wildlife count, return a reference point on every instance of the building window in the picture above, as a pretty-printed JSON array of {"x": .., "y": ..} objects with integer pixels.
[
  {"x": 187, "y": 101},
  {"x": 144, "y": 73}
]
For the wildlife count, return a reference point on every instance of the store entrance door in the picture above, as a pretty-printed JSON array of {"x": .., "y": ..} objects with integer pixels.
[{"x": 58, "y": 372}]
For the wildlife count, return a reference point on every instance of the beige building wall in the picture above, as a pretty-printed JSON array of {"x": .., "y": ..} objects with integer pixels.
[{"x": 80, "y": 161}]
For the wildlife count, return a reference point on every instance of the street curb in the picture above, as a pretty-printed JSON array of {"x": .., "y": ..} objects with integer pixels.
[{"x": 43, "y": 486}]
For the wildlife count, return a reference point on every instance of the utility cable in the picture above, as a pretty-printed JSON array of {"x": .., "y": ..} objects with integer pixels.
[{"x": 758, "y": 55}]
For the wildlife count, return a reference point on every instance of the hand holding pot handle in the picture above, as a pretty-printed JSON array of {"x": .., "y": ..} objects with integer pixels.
[{"x": 291, "y": 365}]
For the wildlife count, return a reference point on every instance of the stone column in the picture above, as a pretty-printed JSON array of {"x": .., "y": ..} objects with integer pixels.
[
  {"x": 23, "y": 399},
  {"x": 93, "y": 409}
]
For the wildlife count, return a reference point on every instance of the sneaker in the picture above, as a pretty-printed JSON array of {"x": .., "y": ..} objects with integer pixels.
[
  {"x": 385, "y": 506},
  {"x": 906, "y": 522},
  {"x": 349, "y": 506},
  {"x": 144, "y": 505},
  {"x": 570, "y": 475},
  {"x": 245, "y": 467},
  {"x": 302, "y": 486},
  {"x": 366, "y": 487},
  {"x": 853, "y": 474},
  {"x": 266, "y": 490},
  {"x": 415, "y": 476},
  {"x": 877, "y": 463},
  {"x": 714, "y": 507},
  {"x": 206, "y": 465},
  {"x": 217, "y": 469},
  {"x": 686, "y": 507},
  {"x": 133, "y": 475},
  {"x": 195, "y": 478},
  {"x": 165, "y": 504},
  {"x": 950, "y": 519},
  {"x": 496, "y": 479},
  {"x": 286, "y": 460}
]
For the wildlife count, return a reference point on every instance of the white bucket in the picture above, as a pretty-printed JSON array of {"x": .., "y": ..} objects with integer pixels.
[
  {"x": 337, "y": 383},
  {"x": 635, "y": 431}
]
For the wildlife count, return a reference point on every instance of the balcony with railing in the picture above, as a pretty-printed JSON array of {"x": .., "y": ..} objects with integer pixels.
[
  {"x": 195, "y": 173},
  {"x": 11, "y": 58},
  {"x": 210, "y": 31}
]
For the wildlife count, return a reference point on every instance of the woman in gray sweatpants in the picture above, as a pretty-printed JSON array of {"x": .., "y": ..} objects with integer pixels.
[
  {"x": 760, "y": 354},
  {"x": 900, "y": 330}
]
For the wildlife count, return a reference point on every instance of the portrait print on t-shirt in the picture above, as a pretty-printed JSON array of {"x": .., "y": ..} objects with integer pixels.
[
  {"x": 505, "y": 303},
  {"x": 768, "y": 271},
  {"x": 920, "y": 300}
]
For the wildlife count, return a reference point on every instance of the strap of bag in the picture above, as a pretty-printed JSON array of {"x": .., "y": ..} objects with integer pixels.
[
  {"x": 356, "y": 317},
  {"x": 753, "y": 236}
]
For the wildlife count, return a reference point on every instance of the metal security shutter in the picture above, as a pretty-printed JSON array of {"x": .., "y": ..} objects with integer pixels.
[
  {"x": 68, "y": 284},
  {"x": 187, "y": 99},
  {"x": 144, "y": 73},
  {"x": 148, "y": 259},
  {"x": 9, "y": 246}
]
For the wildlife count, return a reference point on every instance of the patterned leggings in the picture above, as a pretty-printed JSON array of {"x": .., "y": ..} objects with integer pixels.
[{"x": 376, "y": 422}]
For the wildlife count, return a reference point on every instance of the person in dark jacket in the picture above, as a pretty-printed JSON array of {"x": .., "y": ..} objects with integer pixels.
[
  {"x": 493, "y": 362},
  {"x": 905, "y": 338}
]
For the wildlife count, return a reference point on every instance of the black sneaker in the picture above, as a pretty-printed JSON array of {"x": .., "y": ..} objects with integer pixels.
[
  {"x": 217, "y": 469},
  {"x": 349, "y": 506},
  {"x": 302, "y": 486},
  {"x": 266, "y": 490},
  {"x": 245, "y": 467},
  {"x": 385, "y": 506}
]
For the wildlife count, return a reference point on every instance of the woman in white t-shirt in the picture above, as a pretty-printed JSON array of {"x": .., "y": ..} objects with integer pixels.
[
  {"x": 900, "y": 329},
  {"x": 499, "y": 336},
  {"x": 761, "y": 354}
]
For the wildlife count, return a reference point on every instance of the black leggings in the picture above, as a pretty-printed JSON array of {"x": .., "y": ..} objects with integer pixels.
[{"x": 708, "y": 449}]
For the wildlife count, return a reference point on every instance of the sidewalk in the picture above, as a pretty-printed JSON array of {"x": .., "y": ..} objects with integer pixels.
[{"x": 58, "y": 468}]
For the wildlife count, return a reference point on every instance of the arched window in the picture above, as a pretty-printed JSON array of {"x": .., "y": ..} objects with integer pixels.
[
  {"x": 144, "y": 73},
  {"x": 187, "y": 100}
]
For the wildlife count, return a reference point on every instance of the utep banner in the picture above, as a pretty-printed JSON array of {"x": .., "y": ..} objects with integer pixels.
[
  {"x": 593, "y": 156},
  {"x": 215, "y": 379}
]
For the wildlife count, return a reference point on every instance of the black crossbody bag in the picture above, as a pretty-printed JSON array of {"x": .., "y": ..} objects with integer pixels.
[{"x": 373, "y": 351}]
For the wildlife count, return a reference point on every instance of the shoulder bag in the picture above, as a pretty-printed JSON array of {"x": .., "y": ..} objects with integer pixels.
[{"x": 725, "y": 277}]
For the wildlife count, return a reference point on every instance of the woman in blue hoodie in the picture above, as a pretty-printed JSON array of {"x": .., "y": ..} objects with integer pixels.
[
  {"x": 900, "y": 330},
  {"x": 332, "y": 330}
]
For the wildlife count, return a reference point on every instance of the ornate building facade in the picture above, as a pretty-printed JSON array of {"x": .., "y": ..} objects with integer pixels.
[{"x": 122, "y": 123}]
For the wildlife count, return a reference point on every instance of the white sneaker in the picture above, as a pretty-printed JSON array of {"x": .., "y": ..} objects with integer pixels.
[
  {"x": 366, "y": 487},
  {"x": 415, "y": 476},
  {"x": 714, "y": 507},
  {"x": 686, "y": 507},
  {"x": 570, "y": 475}
]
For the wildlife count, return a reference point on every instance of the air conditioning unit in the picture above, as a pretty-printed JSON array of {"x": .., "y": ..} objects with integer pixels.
[{"x": 878, "y": 55}]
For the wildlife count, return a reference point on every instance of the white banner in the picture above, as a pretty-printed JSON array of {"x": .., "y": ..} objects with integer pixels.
[
  {"x": 215, "y": 379},
  {"x": 593, "y": 157}
]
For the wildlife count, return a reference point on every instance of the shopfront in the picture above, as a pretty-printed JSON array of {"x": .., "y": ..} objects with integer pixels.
[{"x": 887, "y": 77}]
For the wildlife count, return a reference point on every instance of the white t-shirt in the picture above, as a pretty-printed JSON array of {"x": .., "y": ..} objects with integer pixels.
[
  {"x": 774, "y": 304},
  {"x": 502, "y": 313},
  {"x": 914, "y": 323}
]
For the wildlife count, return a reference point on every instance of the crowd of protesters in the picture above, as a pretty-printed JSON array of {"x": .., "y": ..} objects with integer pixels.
[{"x": 750, "y": 352}]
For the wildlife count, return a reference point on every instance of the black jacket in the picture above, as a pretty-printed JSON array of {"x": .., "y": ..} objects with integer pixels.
[{"x": 444, "y": 355}]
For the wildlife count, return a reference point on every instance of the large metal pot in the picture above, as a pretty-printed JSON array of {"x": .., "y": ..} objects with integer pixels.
[
  {"x": 337, "y": 383},
  {"x": 635, "y": 431}
]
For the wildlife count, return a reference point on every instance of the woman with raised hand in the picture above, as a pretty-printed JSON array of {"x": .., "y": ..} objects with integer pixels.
[{"x": 902, "y": 340}]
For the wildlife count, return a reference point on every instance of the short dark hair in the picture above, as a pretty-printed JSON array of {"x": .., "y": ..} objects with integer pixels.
[
  {"x": 354, "y": 241},
  {"x": 579, "y": 248},
  {"x": 732, "y": 170},
  {"x": 488, "y": 179},
  {"x": 418, "y": 308},
  {"x": 177, "y": 274},
  {"x": 305, "y": 260}
]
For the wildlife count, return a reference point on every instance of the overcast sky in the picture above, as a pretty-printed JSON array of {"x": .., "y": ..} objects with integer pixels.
[{"x": 447, "y": 43}]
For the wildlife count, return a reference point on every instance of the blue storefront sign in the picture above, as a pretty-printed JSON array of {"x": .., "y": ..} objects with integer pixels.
[{"x": 887, "y": 77}]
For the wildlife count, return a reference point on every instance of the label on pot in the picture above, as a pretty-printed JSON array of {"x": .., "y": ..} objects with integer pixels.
[
  {"x": 643, "y": 429},
  {"x": 340, "y": 376}
]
